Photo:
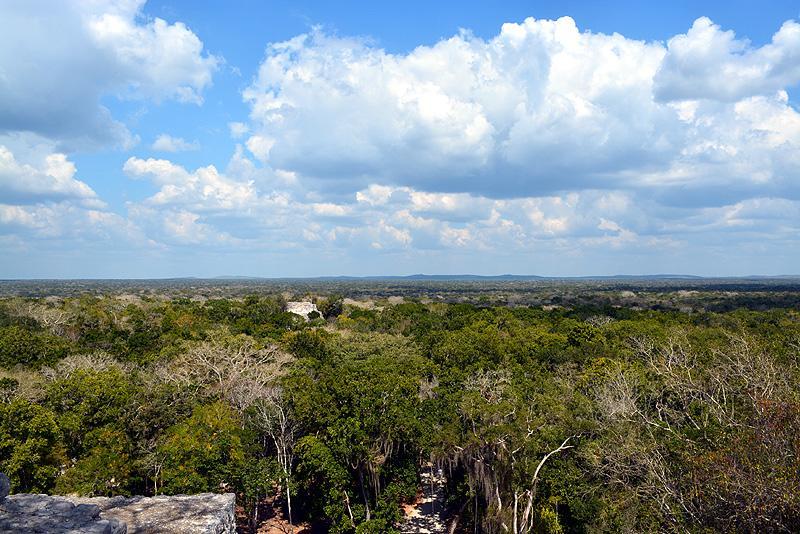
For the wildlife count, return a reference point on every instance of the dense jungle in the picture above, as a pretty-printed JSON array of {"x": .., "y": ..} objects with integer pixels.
[{"x": 608, "y": 411}]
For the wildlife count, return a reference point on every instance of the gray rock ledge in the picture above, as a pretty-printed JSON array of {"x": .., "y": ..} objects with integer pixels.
[
  {"x": 47, "y": 514},
  {"x": 206, "y": 513}
]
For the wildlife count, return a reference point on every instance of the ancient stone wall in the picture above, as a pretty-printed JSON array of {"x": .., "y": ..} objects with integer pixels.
[{"x": 302, "y": 308}]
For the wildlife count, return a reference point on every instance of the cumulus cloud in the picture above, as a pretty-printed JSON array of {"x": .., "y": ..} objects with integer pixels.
[
  {"x": 541, "y": 108},
  {"x": 44, "y": 207},
  {"x": 167, "y": 143},
  {"x": 156, "y": 59},
  {"x": 52, "y": 179},
  {"x": 66, "y": 221},
  {"x": 708, "y": 62},
  {"x": 328, "y": 209},
  {"x": 537, "y": 150},
  {"x": 175, "y": 226},
  {"x": 238, "y": 129},
  {"x": 58, "y": 59},
  {"x": 375, "y": 194},
  {"x": 205, "y": 188},
  {"x": 188, "y": 209}
]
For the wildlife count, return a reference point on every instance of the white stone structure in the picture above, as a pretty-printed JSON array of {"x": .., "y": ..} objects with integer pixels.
[{"x": 302, "y": 308}]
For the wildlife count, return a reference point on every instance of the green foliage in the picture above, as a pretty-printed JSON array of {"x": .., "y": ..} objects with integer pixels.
[
  {"x": 308, "y": 344},
  {"x": 331, "y": 307},
  {"x": 365, "y": 406},
  {"x": 258, "y": 477},
  {"x": 8, "y": 387},
  {"x": 204, "y": 453},
  {"x": 752, "y": 482},
  {"x": 87, "y": 400},
  {"x": 325, "y": 482},
  {"x": 19, "y": 345},
  {"x": 31, "y": 451},
  {"x": 546, "y": 521},
  {"x": 609, "y": 418},
  {"x": 105, "y": 469}
]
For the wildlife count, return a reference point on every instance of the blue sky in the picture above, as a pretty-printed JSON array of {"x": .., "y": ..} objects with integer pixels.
[{"x": 171, "y": 138}]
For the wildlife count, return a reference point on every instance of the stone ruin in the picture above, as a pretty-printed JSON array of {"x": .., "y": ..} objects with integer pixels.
[
  {"x": 206, "y": 513},
  {"x": 302, "y": 308}
]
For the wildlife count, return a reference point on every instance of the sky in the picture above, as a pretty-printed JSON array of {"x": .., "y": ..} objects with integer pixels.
[{"x": 275, "y": 138}]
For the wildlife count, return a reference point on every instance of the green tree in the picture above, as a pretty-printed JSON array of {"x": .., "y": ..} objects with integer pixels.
[
  {"x": 106, "y": 468},
  {"x": 20, "y": 345},
  {"x": 86, "y": 400},
  {"x": 204, "y": 453},
  {"x": 31, "y": 451}
]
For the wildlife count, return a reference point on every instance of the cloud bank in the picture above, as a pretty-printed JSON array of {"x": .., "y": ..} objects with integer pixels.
[
  {"x": 541, "y": 108},
  {"x": 544, "y": 149}
]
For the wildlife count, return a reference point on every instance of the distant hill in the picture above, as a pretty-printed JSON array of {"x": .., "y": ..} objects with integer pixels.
[
  {"x": 439, "y": 277},
  {"x": 512, "y": 277}
]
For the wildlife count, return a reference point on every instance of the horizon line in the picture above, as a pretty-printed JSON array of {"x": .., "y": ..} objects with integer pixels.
[{"x": 422, "y": 276}]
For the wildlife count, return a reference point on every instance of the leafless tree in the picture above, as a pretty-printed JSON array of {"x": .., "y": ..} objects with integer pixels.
[
  {"x": 236, "y": 368},
  {"x": 273, "y": 416},
  {"x": 246, "y": 375},
  {"x": 672, "y": 387},
  {"x": 95, "y": 361},
  {"x": 50, "y": 317}
]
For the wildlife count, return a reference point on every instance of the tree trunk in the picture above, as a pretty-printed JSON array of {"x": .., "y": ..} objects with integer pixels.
[
  {"x": 289, "y": 503},
  {"x": 254, "y": 518},
  {"x": 527, "y": 516},
  {"x": 363, "y": 492},
  {"x": 349, "y": 510},
  {"x": 456, "y": 519}
]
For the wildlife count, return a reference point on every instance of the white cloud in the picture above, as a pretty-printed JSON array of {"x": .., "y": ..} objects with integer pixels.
[
  {"x": 505, "y": 116},
  {"x": 260, "y": 146},
  {"x": 203, "y": 189},
  {"x": 198, "y": 208},
  {"x": 50, "y": 179},
  {"x": 167, "y": 143},
  {"x": 328, "y": 209},
  {"x": 185, "y": 227},
  {"x": 375, "y": 195},
  {"x": 707, "y": 62},
  {"x": 44, "y": 208},
  {"x": 238, "y": 129},
  {"x": 538, "y": 150},
  {"x": 65, "y": 221},
  {"x": 156, "y": 59},
  {"x": 539, "y": 109},
  {"x": 58, "y": 59}
]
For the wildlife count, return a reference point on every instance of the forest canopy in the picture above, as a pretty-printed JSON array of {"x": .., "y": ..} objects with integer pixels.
[{"x": 577, "y": 418}]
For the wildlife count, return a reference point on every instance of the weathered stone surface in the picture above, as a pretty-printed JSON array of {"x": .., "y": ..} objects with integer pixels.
[
  {"x": 206, "y": 513},
  {"x": 46, "y": 514},
  {"x": 5, "y": 486}
]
